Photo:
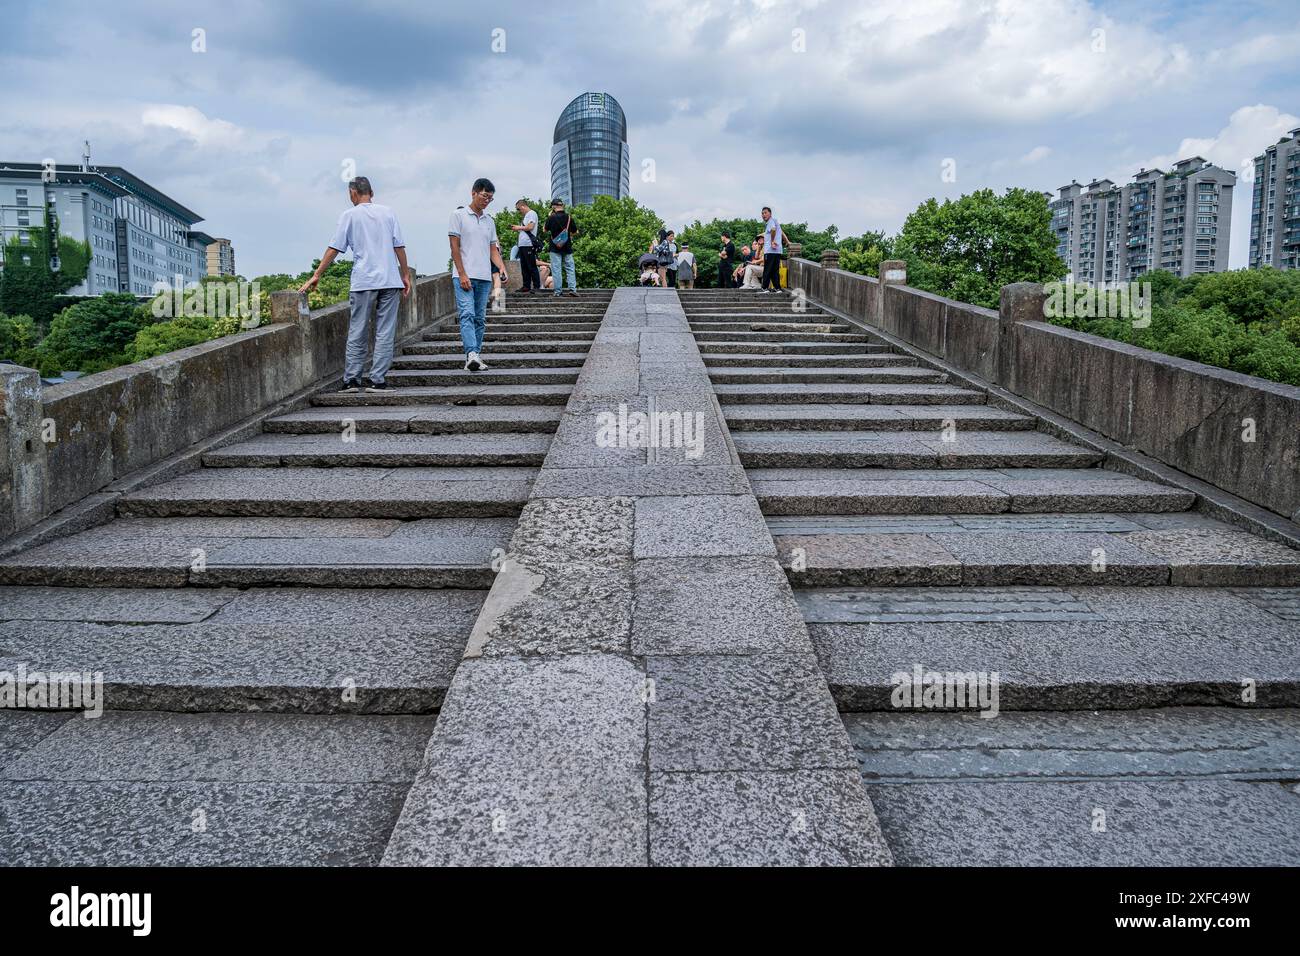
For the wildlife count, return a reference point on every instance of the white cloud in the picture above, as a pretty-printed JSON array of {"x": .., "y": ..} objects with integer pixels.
[{"x": 1036, "y": 155}]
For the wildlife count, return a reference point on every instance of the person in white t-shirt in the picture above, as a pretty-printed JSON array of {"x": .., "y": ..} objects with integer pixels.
[
  {"x": 380, "y": 280},
  {"x": 773, "y": 240},
  {"x": 529, "y": 243},
  {"x": 686, "y": 270}
]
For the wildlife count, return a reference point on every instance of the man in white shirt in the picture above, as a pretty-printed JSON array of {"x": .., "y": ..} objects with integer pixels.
[
  {"x": 380, "y": 279},
  {"x": 686, "y": 267},
  {"x": 528, "y": 244},
  {"x": 474, "y": 250},
  {"x": 773, "y": 240}
]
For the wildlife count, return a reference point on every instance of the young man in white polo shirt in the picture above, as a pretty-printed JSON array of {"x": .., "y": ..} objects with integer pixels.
[
  {"x": 474, "y": 250},
  {"x": 379, "y": 278}
]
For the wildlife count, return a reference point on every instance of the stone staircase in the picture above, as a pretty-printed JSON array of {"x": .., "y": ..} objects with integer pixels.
[
  {"x": 924, "y": 525},
  {"x": 277, "y": 628}
]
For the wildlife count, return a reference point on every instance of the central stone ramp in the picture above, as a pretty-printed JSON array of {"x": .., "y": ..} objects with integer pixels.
[{"x": 640, "y": 687}]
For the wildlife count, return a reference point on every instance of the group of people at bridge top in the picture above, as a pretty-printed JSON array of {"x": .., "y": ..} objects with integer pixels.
[{"x": 758, "y": 266}]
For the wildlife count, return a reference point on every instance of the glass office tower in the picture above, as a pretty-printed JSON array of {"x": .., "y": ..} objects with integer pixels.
[{"x": 590, "y": 156}]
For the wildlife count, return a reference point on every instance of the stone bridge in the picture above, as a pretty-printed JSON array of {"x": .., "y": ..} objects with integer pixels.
[{"x": 895, "y": 581}]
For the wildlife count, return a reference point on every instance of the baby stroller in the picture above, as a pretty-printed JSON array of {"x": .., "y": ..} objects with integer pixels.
[{"x": 646, "y": 264}]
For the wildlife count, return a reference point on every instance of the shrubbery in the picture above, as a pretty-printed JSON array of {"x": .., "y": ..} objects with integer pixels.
[{"x": 1246, "y": 320}]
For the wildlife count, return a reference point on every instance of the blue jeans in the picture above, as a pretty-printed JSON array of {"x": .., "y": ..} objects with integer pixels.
[
  {"x": 565, "y": 259},
  {"x": 472, "y": 306}
]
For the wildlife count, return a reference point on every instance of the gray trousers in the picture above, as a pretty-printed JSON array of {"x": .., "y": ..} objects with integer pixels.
[{"x": 384, "y": 303}]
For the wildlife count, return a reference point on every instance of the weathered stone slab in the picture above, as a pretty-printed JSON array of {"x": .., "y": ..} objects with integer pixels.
[
  {"x": 153, "y": 824},
  {"x": 511, "y": 778},
  {"x": 228, "y": 748},
  {"x": 1069, "y": 665},
  {"x": 1051, "y": 824},
  {"x": 714, "y": 606},
  {"x": 1174, "y": 742},
  {"x": 701, "y": 525},
  {"x": 759, "y": 712},
  {"x": 775, "y": 818},
  {"x": 1211, "y": 557},
  {"x": 115, "y": 605},
  {"x": 21, "y": 730}
]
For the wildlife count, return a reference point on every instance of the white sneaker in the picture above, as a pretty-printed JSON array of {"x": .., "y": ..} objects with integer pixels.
[
  {"x": 472, "y": 363},
  {"x": 764, "y": 291}
]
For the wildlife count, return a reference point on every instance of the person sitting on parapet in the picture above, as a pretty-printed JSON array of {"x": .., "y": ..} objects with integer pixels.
[
  {"x": 379, "y": 277},
  {"x": 475, "y": 254}
]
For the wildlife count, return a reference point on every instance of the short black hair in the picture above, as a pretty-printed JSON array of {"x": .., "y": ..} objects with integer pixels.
[
  {"x": 767, "y": 209},
  {"x": 362, "y": 185},
  {"x": 726, "y": 235},
  {"x": 557, "y": 201},
  {"x": 520, "y": 202},
  {"x": 483, "y": 185}
]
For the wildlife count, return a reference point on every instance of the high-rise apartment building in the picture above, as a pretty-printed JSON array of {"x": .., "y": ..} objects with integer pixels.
[
  {"x": 590, "y": 155},
  {"x": 1275, "y": 205},
  {"x": 1179, "y": 221},
  {"x": 221, "y": 257}
]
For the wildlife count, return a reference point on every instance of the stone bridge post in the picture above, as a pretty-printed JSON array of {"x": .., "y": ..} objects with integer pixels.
[
  {"x": 891, "y": 272},
  {"x": 1019, "y": 302},
  {"x": 24, "y": 463}
]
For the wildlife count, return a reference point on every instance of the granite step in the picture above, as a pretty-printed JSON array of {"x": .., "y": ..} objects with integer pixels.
[
  {"x": 382, "y": 450},
  {"x": 540, "y": 328},
  {"x": 456, "y": 360},
  {"x": 847, "y": 393},
  {"x": 492, "y": 376},
  {"x": 336, "y": 493},
  {"x": 259, "y": 552},
  {"x": 428, "y": 419},
  {"x": 435, "y": 396},
  {"x": 966, "y": 448},
  {"x": 529, "y": 316},
  {"x": 571, "y": 347},
  {"x": 519, "y": 338},
  {"x": 1186, "y": 786},
  {"x": 894, "y": 491},
  {"x": 1092, "y": 550},
  {"x": 759, "y": 360},
  {"x": 740, "y": 335},
  {"x": 280, "y": 650},
  {"x": 814, "y": 376},
  {"x": 1074, "y": 648},
  {"x": 879, "y": 418},
  {"x": 791, "y": 348},
  {"x": 781, "y": 326}
]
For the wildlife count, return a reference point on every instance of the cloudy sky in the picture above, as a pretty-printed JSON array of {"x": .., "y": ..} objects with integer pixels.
[{"x": 837, "y": 111}]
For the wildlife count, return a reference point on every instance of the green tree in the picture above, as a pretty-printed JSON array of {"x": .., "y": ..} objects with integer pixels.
[
  {"x": 968, "y": 248},
  {"x": 92, "y": 335},
  {"x": 17, "y": 337},
  {"x": 164, "y": 337},
  {"x": 27, "y": 284}
]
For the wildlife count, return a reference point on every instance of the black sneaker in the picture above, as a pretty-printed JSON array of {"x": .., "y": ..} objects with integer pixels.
[
  {"x": 350, "y": 385},
  {"x": 373, "y": 386},
  {"x": 572, "y": 293}
]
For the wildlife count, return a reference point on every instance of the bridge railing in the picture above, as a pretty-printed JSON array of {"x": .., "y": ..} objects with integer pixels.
[
  {"x": 1236, "y": 432},
  {"x": 65, "y": 444}
]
